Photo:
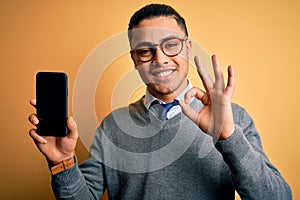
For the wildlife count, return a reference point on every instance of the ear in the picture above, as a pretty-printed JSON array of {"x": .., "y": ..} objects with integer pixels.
[
  {"x": 133, "y": 59},
  {"x": 189, "y": 48}
]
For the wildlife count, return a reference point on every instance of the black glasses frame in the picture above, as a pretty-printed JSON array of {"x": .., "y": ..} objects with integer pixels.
[{"x": 153, "y": 48}]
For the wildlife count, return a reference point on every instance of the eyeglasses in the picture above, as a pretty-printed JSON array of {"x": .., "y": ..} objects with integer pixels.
[{"x": 171, "y": 47}]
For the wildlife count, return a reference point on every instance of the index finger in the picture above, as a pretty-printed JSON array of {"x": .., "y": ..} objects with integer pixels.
[{"x": 205, "y": 77}]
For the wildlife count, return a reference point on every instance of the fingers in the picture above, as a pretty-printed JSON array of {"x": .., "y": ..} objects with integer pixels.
[
  {"x": 33, "y": 102},
  {"x": 219, "y": 79},
  {"x": 33, "y": 119},
  {"x": 198, "y": 93},
  {"x": 219, "y": 83},
  {"x": 187, "y": 109},
  {"x": 37, "y": 138},
  {"x": 231, "y": 81},
  {"x": 206, "y": 79}
]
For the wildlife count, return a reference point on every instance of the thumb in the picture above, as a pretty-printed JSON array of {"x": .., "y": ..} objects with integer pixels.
[{"x": 72, "y": 127}]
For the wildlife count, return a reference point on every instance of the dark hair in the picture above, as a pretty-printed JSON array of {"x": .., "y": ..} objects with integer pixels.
[{"x": 155, "y": 10}]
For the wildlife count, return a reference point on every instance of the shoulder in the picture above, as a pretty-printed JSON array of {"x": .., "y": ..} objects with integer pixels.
[
  {"x": 132, "y": 111},
  {"x": 238, "y": 111},
  {"x": 241, "y": 116}
]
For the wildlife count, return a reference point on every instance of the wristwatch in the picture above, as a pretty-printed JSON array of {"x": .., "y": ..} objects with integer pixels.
[{"x": 62, "y": 166}]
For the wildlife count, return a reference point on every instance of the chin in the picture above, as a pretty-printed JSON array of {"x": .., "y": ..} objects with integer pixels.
[{"x": 162, "y": 89}]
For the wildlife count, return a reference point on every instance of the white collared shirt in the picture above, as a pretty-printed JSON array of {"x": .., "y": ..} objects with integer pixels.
[{"x": 149, "y": 98}]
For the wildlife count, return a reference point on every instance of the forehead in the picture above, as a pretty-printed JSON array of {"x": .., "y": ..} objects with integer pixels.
[{"x": 154, "y": 30}]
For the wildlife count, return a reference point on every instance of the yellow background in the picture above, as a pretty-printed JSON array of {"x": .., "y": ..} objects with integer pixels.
[{"x": 260, "y": 38}]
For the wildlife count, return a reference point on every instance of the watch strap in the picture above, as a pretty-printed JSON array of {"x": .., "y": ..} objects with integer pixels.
[{"x": 62, "y": 166}]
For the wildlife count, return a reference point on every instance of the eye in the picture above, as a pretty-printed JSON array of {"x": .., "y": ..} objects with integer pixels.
[
  {"x": 171, "y": 44},
  {"x": 143, "y": 52}
]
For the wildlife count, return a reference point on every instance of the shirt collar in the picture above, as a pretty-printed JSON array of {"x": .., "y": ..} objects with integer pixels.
[{"x": 149, "y": 98}]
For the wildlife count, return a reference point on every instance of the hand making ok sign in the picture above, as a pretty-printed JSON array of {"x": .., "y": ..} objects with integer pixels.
[{"x": 215, "y": 117}]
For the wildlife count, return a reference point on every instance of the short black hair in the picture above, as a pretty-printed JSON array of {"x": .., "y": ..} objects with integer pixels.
[{"x": 155, "y": 10}]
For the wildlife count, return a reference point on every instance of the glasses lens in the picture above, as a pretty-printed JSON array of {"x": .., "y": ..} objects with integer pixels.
[
  {"x": 172, "y": 47},
  {"x": 144, "y": 54}
]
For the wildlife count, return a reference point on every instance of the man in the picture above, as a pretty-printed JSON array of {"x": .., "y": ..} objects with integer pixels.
[{"x": 219, "y": 150}]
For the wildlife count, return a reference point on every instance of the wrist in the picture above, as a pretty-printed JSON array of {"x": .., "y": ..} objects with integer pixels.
[
  {"x": 57, "y": 167},
  {"x": 226, "y": 134},
  {"x": 52, "y": 162}
]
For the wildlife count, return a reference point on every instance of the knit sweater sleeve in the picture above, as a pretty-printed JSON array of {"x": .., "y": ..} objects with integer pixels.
[
  {"x": 253, "y": 175},
  {"x": 80, "y": 182}
]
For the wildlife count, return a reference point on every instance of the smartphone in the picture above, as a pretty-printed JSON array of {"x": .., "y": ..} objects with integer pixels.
[{"x": 52, "y": 103}]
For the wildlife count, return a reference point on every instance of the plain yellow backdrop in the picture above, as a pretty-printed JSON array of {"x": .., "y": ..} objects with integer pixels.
[{"x": 259, "y": 38}]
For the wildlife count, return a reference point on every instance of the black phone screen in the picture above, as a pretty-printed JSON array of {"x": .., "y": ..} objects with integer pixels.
[{"x": 52, "y": 103}]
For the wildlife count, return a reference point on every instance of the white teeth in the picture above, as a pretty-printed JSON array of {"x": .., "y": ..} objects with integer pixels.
[{"x": 165, "y": 73}]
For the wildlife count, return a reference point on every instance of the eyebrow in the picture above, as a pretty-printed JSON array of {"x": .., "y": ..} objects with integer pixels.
[
  {"x": 143, "y": 44},
  {"x": 149, "y": 44}
]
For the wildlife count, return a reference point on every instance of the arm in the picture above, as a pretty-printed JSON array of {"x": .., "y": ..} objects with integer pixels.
[
  {"x": 84, "y": 182},
  {"x": 237, "y": 139},
  {"x": 80, "y": 182},
  {"x": 253, "y": 175}
]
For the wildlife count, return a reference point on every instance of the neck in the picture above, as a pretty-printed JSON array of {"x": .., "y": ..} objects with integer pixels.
[{"x": 169, "y": 96}]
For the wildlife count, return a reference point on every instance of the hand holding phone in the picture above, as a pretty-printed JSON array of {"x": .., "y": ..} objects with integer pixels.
[{"x": 47, "y": 138}]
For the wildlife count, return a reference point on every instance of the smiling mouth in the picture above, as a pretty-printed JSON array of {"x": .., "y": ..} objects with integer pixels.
[{"x": 164, "y": 73}]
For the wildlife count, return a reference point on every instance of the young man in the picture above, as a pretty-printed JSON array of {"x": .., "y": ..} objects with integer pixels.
[{"x": 208, "y": 152}]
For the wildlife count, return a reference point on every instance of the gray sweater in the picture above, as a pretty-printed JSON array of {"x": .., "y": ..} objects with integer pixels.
[{"x": 136, "y": 156}]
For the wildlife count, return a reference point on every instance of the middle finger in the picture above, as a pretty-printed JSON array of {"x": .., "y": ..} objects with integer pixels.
[{"x": 219, "y": 82}]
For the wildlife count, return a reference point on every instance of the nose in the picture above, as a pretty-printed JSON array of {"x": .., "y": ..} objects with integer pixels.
[{"x": 160, "y": 57}]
